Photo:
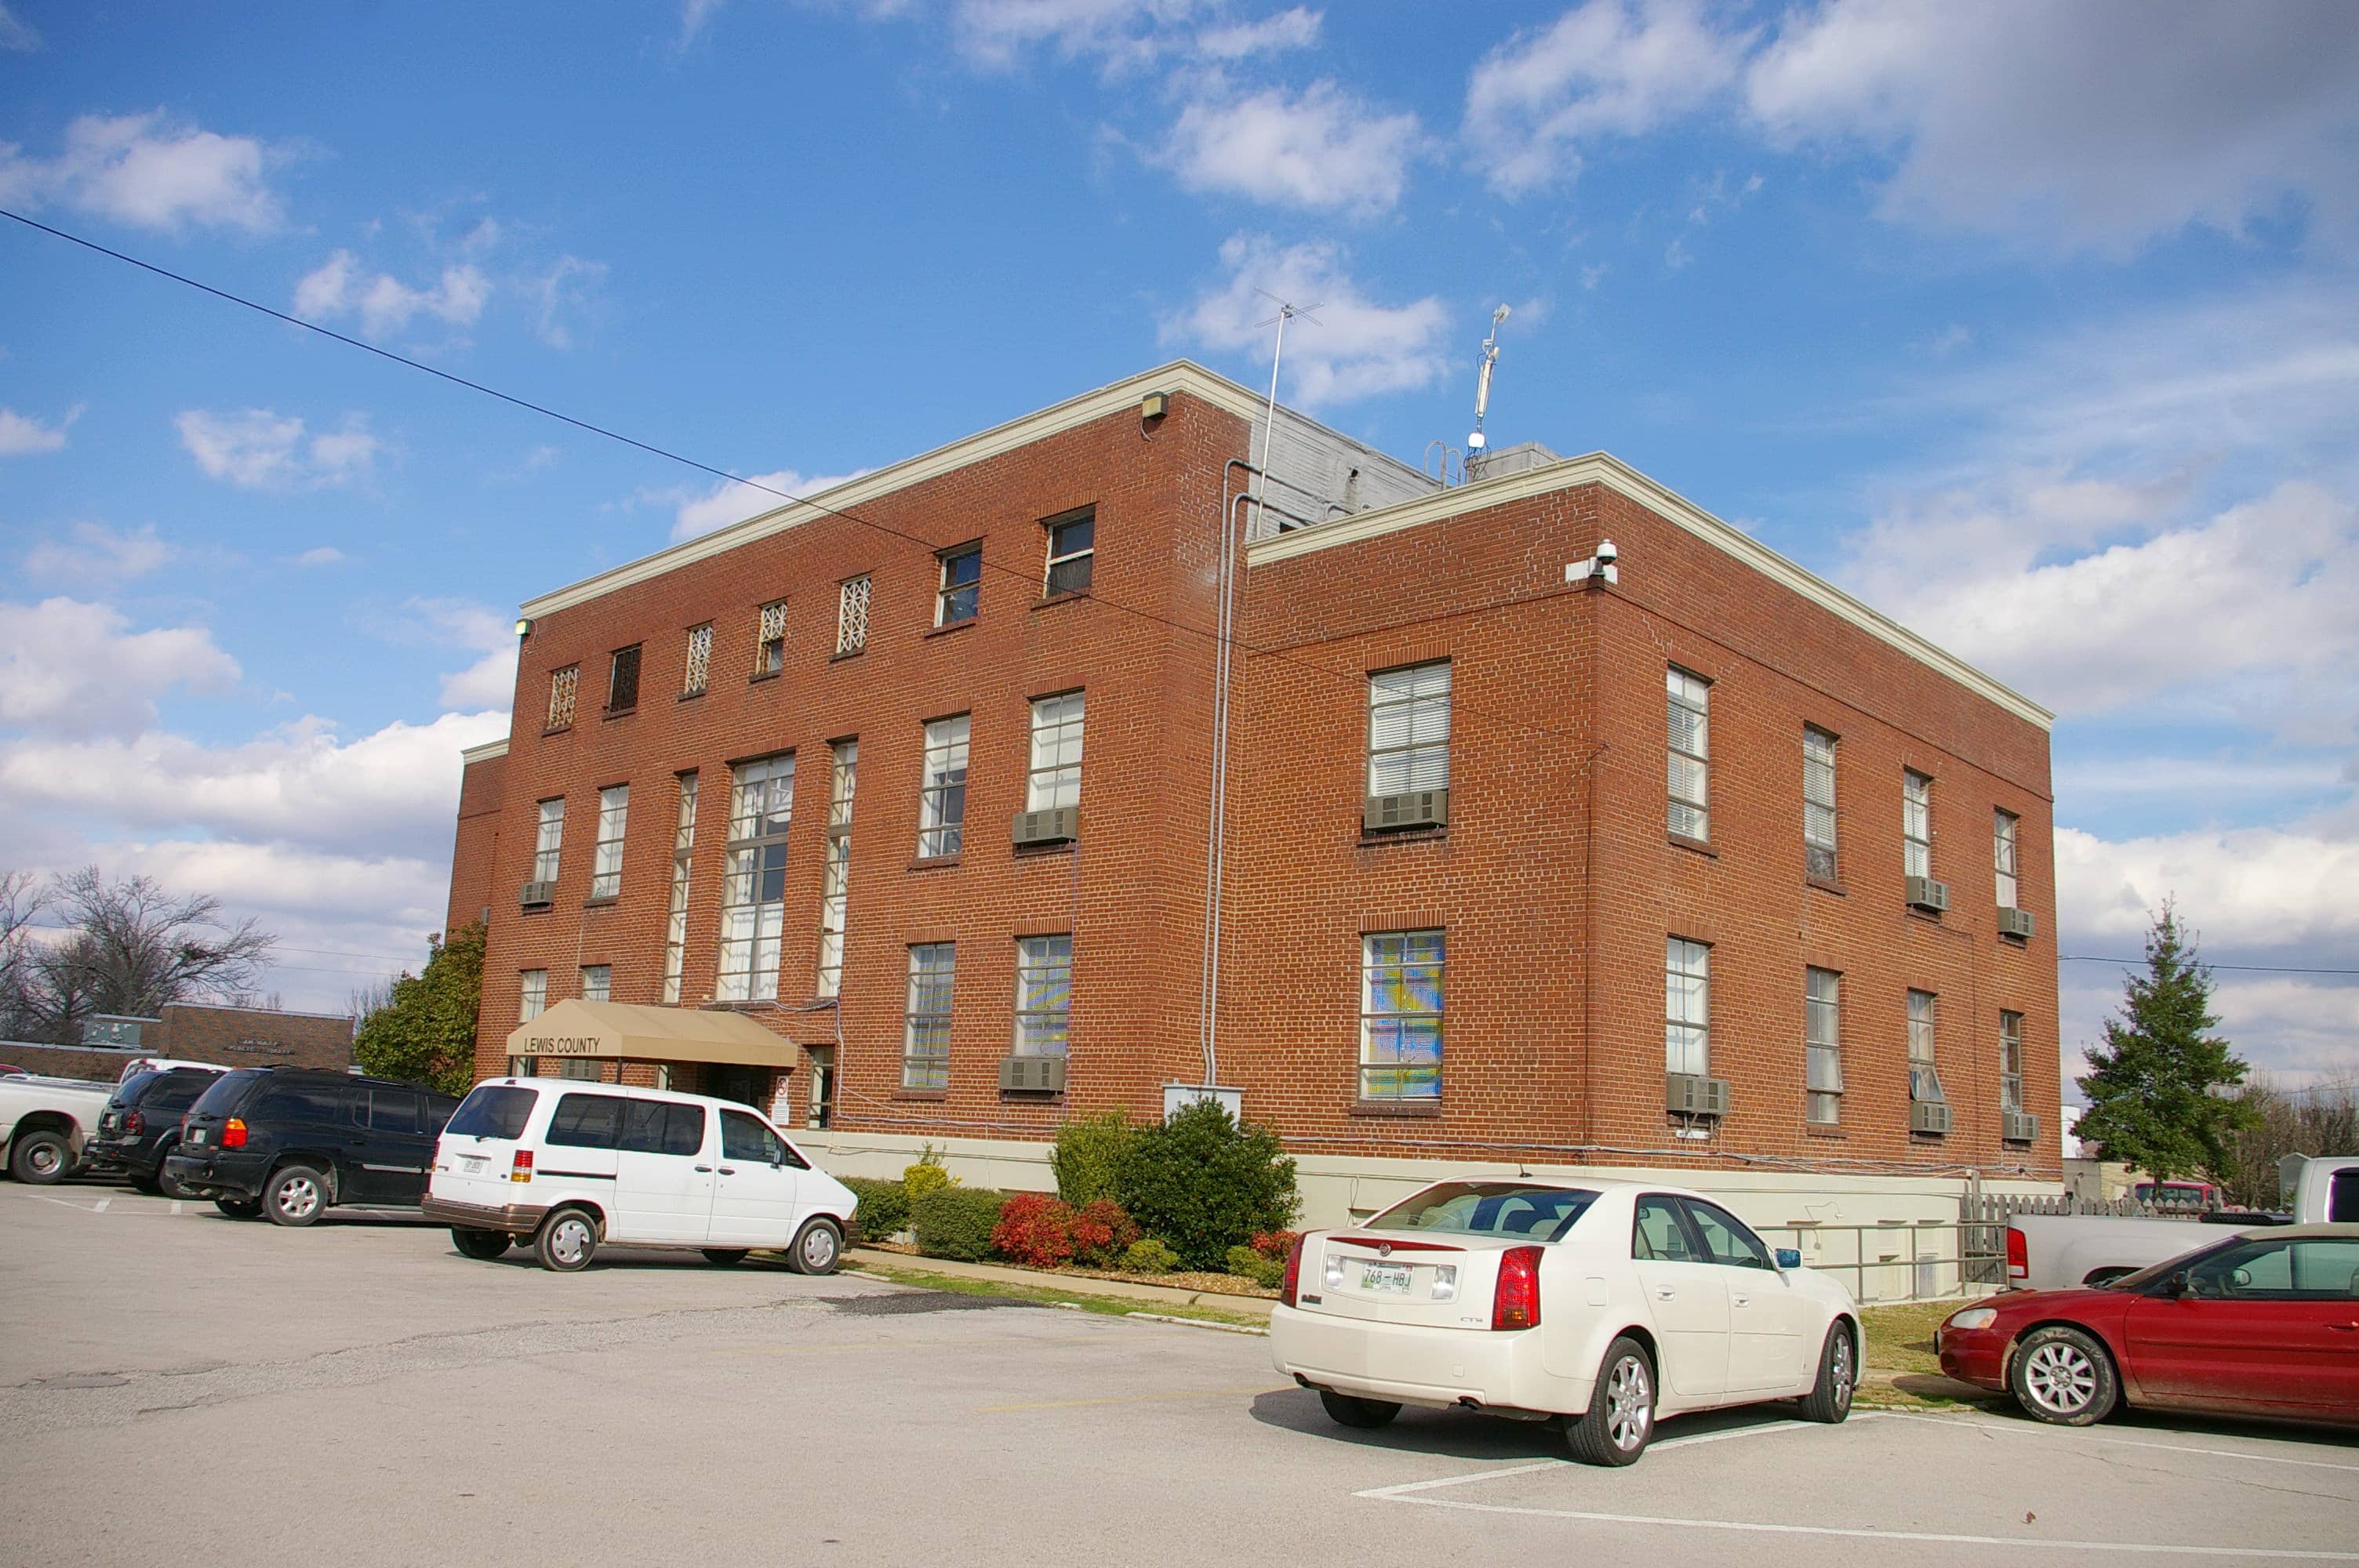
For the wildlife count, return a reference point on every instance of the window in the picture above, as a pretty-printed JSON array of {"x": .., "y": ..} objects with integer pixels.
[
  {"x": 1917, "y": 824},
  {"x": 660, "y": 1127},
  {"x": 2280, "y": 1268},
  {"x": 1056, "y": 776},
  {"x": 585, "y": 1122},
  {"x": 1691, "y": 740},
  {"x": 753, "y": 878},
  {"x": 1489, "y": 1208},
  {"x": 744, "y": 1137},
  {"x": 1819, "y": 805},
  {"x": 960, "y": 593},
  {"x": 1687, "y": 1007},
  {"x": 1071, "y": 543},
  {"x": 562, "y": 686},
  {"x": 2010, "y": 1061},
  {"x": 942, "y": 801},
  {"x": 623, "y": 680},
  {"x": 836, "y": 886},
  {"x": 1408, "y": 729},
  {"x": 494, "y": 1110},
  {"x": 1924, "y": 1080},
  {"x": 683, "y": 848},
  {"x": 1725, "y": 1240},
  {"x": 851, "y": 616},
  {"x": 394, "y": 1111},
  {"x": 549, "y": 841},
  {"x": 770, "y": 641},
  {"x": 699, "y": 668},
  {"x": 1822, "y": 1044},
  {"x": 606, "y": 859},
  {"x": 1658, "y": 1234},
  {"x": 1400, "y": 1015},
  {"x": 1044, "y": 994},
  {"x": 597, "y": 982},
  {"x": 925, "y": 1045},
  {"x": 532, "y": 998},
  {"x": 2003, "y": 827}
]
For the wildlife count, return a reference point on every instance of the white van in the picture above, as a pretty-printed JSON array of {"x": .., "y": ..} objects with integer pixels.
[{"x": 562, "y": 1166}]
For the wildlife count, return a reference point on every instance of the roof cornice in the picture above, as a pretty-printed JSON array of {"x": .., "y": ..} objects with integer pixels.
[{"x": 470, "y": 755}]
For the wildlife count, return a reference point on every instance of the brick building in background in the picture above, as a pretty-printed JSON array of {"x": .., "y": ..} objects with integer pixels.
[
  {"x": 1687, "y": 860},
  {"x": 197, "y": 1032}
]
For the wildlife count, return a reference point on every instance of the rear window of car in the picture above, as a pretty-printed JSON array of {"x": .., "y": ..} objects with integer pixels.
[
  {"x": 494, "y": 1111},
  {"x": 133, "y": 1088},
  {"x": 1489, "y": 1208},
  {"x": 176, "y": 1090},
  {"x": 227, "y": 1092}
]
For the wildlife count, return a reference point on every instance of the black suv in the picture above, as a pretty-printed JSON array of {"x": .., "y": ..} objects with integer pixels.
[
  {"x": 290, "y": 1143},
  {"x": 141, "y": 1126}
]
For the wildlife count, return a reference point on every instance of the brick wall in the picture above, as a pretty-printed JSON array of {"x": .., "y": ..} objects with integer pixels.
[
  {"x": 200, "y": 1031},
  {"x": 475, "y": 862}
]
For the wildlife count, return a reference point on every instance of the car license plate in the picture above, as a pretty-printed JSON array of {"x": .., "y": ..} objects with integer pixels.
[
  {"x": 1384, "y": 1279},
  {"x": 474, "y": 1163}
]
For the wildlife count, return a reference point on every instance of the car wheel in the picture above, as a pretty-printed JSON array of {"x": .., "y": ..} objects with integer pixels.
[
  {"x": 1350, "y": 1409},
  {"x": 482, "y": 1245},
  {"x": 168, "y": 1185},
  {"x": 40, "y": 1158},
  {"x": 568, "y": 1240},
  {"x": 1829, "y": 1402},
  {"x": 153, "y": 1186},
  {"x": 1621, "y": 1414},
  {"x": 239, "y": 1208},
  {"x": 819, "y": 1249},
  {"x": 2063, "y": 1375},
  {"x": 726, "y": 1257},
  {"x": 296, "y": 1196}
]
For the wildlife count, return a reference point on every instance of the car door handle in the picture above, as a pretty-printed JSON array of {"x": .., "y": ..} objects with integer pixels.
[
  {"x": 1740, "y": 1300},
  {"x": 2344, "y": 1327},
  {"x": 1665, "y": 1292},
  {"x": 707, "y": 1169},
  {"x": 728, "y": 1170}
]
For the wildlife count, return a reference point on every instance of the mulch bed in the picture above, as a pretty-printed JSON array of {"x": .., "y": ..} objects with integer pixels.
[{"x": 1206, "y": 1284}]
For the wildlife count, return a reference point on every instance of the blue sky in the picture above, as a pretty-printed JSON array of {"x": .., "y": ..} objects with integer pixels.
[{"x": 2033, "y": 324}]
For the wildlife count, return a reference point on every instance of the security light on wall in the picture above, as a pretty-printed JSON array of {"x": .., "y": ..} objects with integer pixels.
[
  {"x": 1155, "y": 405},
  {"x": 1599, "y": 567},
  {"x": 524, "y": 627}
]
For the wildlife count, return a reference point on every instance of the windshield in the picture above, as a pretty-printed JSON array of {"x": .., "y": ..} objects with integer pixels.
[
  {"x": 494, "y": 1110},
  {"x": 1489, "y": 1208},
  {"x": 226, "y": 1092},
  {"x": 2155, "y": 1273}
]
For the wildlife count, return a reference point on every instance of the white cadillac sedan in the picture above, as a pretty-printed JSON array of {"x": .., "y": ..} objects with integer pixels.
[{"x": 1603, "y": 1306}]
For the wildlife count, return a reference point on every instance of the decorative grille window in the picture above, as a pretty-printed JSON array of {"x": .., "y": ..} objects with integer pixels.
[
  {"x": 770, "y": 644},
  {"x": 623, "y": 680},
  {"x": 835, "y": 889},
  {"x": 562, "y": 686},
  {"x": 699, "y": 661},
  {"x": 1924, "y": 1079},
  {"x": 1690, "y": 742},
  {"x": 1073, "y": 543},
  {"x": 549, "y": 841},
  {"x": 1819, "y": 805},
  {"x": 1823, "y": 1035},
  {"x": 926, "y": 1043},
  {"x": 2002, "y": 833},
  {"x": 1400, "y": 1015},
  {"x": 1044, "y": 995},
  {"x": 1917, "y": 824},
  {"x": 2010, "y": 1061},
  {"x": 960, "y": 594},
  {"x": 851, "y": 616},
  {"x": 606, "y": 860},
  {"x": 597, "y": 982},
  {"x": 1687, "y": 1007},
  {"x": 942, "y": 801},
  {"x": 532, "y": 994},
  {"x": 683, "y": 849},
  {"x": 1408, "y": 729},
  {"x": 753, "y": 878},
  {"x": 1056, "y": 775}
]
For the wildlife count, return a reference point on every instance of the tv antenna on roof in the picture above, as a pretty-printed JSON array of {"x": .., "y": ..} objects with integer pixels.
[
  {"x": 1482, "y": 380},
  {"x": 1287, "y": 312}
]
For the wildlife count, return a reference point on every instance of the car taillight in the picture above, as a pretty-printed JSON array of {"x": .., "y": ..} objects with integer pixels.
[
  {"x": 232, "y": 1133},
  {"x": 522, "y": 1170},
  {"x": 2018, "y": 1256},
  {"x": 134, "y": 1124},
  {"x": 1293, "y": 1284},
  {"x": 1515, "y": 1300}
]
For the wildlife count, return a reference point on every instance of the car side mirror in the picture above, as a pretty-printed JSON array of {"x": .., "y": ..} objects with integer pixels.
[
  {"x": 2180, "y": 1286},
  {"x": 1789, "y": 1258}
]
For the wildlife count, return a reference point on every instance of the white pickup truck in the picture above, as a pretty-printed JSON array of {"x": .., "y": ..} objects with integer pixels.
[
  {"x": 2051, "y": 1252},
  {"x": 44, "y": 1122}
]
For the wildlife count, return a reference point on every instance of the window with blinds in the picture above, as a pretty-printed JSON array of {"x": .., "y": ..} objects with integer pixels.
[
  {"x": 1822, "y": 1044},
  {"x": 1924, "y": 1077},
  {"x": 606, "y": 857},
  {"x": 683, "y": 849},
  {"x": 835, "y": 886},
  {"x": 1044, "y": 995},
  {"x": 2002, "y": 836},
  {"x": 1056, "y": 775},
  {"x": 1819, "y": 805},
  {"x": 753, "y": 878},
  {"x": 1687, "y": 1007},
  {"x": 2010, "y": 1062},
  {"x": 1917, "y": 824},
  {"x": 942, "y": 791},
  {"x": 1689, "y": 729},
  {"x": 532, "y": 994},
  {"x": 926, "y": 1038},
  {"x": 549, "y": 841},
  {"x": 1408, "y": 729}
]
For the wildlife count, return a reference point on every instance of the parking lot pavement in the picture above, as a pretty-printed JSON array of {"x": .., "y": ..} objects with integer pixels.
[{"x": 359, "y": 1388}]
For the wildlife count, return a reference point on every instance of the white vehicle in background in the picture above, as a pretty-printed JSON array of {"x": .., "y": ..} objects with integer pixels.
[
  {"x": 564, "y": 1166},
  {"x": 45, "y": 1123},
  {"x": 139, "y": 1065},
  {"x": 1601, "y": 1306},
  {"x": 2062, "y": 1252}
]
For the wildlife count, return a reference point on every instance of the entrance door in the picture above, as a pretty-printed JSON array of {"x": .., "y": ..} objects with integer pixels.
[
  {"x": 822, "y": 1085},
  {"x": 747, "y": 1086},
  {"x": 753, "y": 1200},
  {"x": 1687, "y": 1295}
]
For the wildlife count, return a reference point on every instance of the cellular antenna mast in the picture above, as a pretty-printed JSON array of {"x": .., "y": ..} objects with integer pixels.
[
  {"x": 1287, "y": 312},
  {"x": 1482, "y": 380}
]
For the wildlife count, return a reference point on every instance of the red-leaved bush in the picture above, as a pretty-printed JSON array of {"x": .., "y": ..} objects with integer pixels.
[
  {"x": 1275, "y": 1245},
  {"x": 1035, "y": 1229},
  {"x": 1099, "y": 1231}
]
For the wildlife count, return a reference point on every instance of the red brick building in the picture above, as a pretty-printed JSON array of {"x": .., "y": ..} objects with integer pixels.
[{"x": 1683, "y": 860}]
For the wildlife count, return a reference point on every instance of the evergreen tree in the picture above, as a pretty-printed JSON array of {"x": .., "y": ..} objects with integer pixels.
[
  {"x": 426, "y": 1032},
  {"x": 2155, "y": 1085}
]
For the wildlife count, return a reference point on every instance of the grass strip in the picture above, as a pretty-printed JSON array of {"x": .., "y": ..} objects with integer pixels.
[{"x": 1107, "y": 1306}]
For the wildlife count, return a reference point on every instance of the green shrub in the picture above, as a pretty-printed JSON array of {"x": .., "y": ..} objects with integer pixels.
[
  {"x": 1248, "y": 1264},
  {"x": 1088, "y": 1154},
  {"x": 927, "y": 1174},
  {"x": 956, "y": 1222},
  {"x": 1205, "y": 1182},
  {"x": 1149, "y": 1257},
  {"x": 883, "y": 1207}
]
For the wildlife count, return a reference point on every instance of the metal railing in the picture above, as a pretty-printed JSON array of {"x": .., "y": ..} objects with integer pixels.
[{"x": 1902, "y": 1261}]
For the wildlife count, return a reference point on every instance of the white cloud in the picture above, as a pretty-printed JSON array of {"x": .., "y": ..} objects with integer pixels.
[
  {"x": 22, "y": 435},
  {"x": 1291, "y": 29},
  {"x": 489, "y": 681},
  {"x": 385, "y": 305},
  {"x": 321, "y": 556},
  {"x": 2101, "y": 125},
  {"x": 730, "y": 501},
  {"x": 1121, "y": 34},
  {"x": 1322, "y": 149},
  {"x": 565, "y": 291},
  {"x": 146, "y": 170},
  {"x": 96, "y": 554},
  {"x": 1355, "y": 349},
  {"x": 1609, "y": 68},
  {"x": 2268, "y": 890},
  {"x": 258, "y": 448},
  {"x": 76, "y": 668},
  {"x": 16, "y": 34}
]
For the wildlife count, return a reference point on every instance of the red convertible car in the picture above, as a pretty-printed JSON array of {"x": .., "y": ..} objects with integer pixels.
[{"x": 2262, "y": 1324}]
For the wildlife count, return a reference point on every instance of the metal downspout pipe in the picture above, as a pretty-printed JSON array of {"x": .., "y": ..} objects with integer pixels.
[{"x": 1216, "y": 834}]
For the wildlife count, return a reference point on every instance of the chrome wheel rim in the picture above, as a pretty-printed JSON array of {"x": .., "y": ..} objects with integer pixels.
[
  {"x": 2061, "y": 1377},
  {"x": 1841, "y": 1373},
  {"x": 1629, "y": 1404},
  {"x": 570, "y": 1242},
  {"x": 45, "y": 1159},
  {"x": 298, "y": 1197},
  {"x": 818, "y": 1248}
]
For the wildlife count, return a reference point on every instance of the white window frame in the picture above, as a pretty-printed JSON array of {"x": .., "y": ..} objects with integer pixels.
[
  {"x": 2010, "y": 1061},
  {"x": 696, "y": 673},
  {"x": 549, "y": 841},
  {"x": 941, "y": 787},
  {"x": 532, "y": 994},
  {"x": 925, "y": 1027},
  {"x": 1054, "y": 777},
  {"x": 1822, "y": 1046},
  {"x": 1822, "y": 854},
  {"x": 1401, "y": 1038},
  {"x": 597, "y": 982},
  {"x": 1044, "y": 995},
  {"x": 1924, "y": 1070},
  {"x": 2006, "y": 831},
  {"x": 1687, "y": 1007},
  {"x": 1409, "y": 729},
  {"x": 1916, "y": 823},
  {"x": 683, "y": 850},
  {"x": 948, "y": 594},
  {"x": 753, "y": 879},
  {"x": 1086, "y": 554},
  {"x": 1687, "y": 723},
  {"x": 606, "y": 855},
  {"x": 852, "y": 615},
  {"x": 835, "y": 881}
]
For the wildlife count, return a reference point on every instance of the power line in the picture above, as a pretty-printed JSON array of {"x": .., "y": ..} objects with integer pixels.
[{"x": 2249, "y": 968}]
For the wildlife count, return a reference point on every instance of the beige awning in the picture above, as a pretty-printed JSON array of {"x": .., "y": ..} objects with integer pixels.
[{"x": 614, "y": 1030}]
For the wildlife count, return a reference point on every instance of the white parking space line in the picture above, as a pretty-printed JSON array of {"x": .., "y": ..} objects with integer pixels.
[
  {"x": 68, "y": 1203},
  {"x": 2055, "y": 1434},
  {"x": 176, "y": 1205},
  {"x": 1385, "y": 1494},
  {"x": 101, "y": 1205}
]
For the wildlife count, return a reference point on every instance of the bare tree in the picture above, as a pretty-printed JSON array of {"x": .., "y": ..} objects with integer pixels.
[
  {"x": 20, "y": 900},
  {"x": 2322, "y": 1119},
  {"x": 133, "y": 947}
]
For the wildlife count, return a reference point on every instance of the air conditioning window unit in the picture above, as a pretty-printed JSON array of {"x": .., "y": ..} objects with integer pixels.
[
  {"x": 1691, "y": 1094},
  {"x": 534, "y": 894},
  {"x": 1929, "y": 1116},
  {"x": 1924, "y": 893},
  {"x": 2016, "y": 922},
  {"x": 1418, "y": 808},
  {"x": 1057, "y": 825},
  {"x": 2018, "y": 1126},
  {"x": 1032, "y": 1075}
]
